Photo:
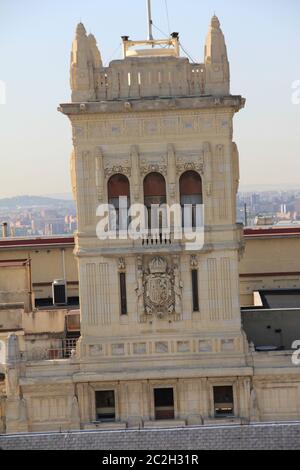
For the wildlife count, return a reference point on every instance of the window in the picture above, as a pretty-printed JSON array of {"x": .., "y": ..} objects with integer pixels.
[
  {"x": 195, "y": 290},
  {"x": 154, "y": 195},
  {"x": 105, "y": 405},
  {"x": 223, "y": 401},
  {"x": 123, "y": 298},
  {"x": 190, "y": 187},
  {"x": 164, "y": 403},
  {"x": 118, "y": 191}
]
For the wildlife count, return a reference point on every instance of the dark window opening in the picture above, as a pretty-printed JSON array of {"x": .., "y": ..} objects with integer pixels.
[
  {"x": 195, "y": 290},
  {"x": 155, "y": 195},
  {"x": 105, "y": 405},
  {"x": 223, "y": 401},
  {"x": 123, "y": 297},
  {"x": 118, "y": 190},
  {"x": 48, "y": 302},
  {"x": 190, "y": 187},
  {"x": 164, "y": 403}
]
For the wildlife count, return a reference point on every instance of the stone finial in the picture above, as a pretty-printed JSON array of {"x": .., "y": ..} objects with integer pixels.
[
  {"x": 216, "y": 61},
  {"x": 95, "y": 51},
  {"x": 12, "y": 349},
  {"x": 85, "y": 58},
  {"x": 215, "y": 23},
  {"x": 80, "y": 30}
]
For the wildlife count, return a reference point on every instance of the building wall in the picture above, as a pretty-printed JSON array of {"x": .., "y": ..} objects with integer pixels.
[
  {"x": 269, "y": 262},
  {"x": 46, "y": 265},
  {"x": 14, "y": 285}
]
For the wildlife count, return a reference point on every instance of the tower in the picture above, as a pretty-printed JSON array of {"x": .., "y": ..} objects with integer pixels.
[{"x": 161, "y": 334}]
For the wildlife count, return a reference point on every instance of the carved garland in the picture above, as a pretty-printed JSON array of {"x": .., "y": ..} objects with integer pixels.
[
  {"x": 183, "y": 166},
  {"x": 109, "y": 171},
  {"x": 154, "y": 167}
]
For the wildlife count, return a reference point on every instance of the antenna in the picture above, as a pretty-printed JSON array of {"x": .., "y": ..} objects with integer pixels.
[{"x": 150, "y": 35}]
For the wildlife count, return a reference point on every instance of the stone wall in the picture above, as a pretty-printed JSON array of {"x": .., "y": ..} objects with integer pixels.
[{"x": 255, "y": 436}]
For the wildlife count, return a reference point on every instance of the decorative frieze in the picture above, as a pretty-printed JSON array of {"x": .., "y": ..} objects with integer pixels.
[
  {"x": 184, "y": 165},
  {"x": 161, "y": 347},
  {"x": 158, "y": 124},
  {"x": 112, "y": 170},
  {"x": 149, "y": 167},
  {"x": 139, "y": 348}
]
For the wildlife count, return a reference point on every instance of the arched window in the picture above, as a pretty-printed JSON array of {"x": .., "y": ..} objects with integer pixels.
[
  {"x": 190, "y": 187},
  {"x": 118, "y": 190},
  {"x": 154, "y": 196}
]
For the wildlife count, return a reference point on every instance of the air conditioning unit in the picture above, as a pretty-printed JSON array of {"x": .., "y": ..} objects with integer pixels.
[{"x": 59, "y": 292}]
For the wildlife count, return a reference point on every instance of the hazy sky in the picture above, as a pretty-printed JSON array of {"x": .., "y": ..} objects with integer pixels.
[{"x": 263, "y": 42}]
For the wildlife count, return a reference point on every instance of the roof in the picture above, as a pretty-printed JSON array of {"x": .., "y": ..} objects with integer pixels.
[
  {"x": 19, "y": 242},
  {"x": 258, "y": 232},
  {"x": 280, "y": 298},
  {"x": 63, "y": 240},
  {"x": 12, "y": 263}
]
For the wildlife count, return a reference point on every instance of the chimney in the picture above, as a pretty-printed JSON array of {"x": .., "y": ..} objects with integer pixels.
[{"x": 4, "y": 230}]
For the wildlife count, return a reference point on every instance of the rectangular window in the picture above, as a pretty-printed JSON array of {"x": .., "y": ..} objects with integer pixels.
[
  {"x": 123, "y": 297},
  {"x": 164, "y": 403},
  {"x": 195, "y": 290},
  {"x": 105, "y": 405},
  {"x": 223, "y": 401}
]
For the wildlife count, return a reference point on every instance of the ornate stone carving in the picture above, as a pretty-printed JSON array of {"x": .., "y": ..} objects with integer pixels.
[
  {"x": 183, "y": 165},
  {"x": 112, "y": 170},
  {"x": 159, "y": 298},
  {"x": 159, "y": 288},
  {"x": 151, "y": 167},
  {"x": 193, "y": 261},
  {"x": 121, "y": 264}
]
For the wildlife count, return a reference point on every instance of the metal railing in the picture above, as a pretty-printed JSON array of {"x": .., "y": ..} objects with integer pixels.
[{"x": 63, "y": 349}]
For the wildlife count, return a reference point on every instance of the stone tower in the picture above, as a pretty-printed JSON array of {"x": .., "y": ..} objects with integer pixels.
[{"x": 161, "y": 333}]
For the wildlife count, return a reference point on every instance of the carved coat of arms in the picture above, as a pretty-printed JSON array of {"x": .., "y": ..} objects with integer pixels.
[
  {"x": 159, "y": 296},
  {"x": 157, "y": 288}
]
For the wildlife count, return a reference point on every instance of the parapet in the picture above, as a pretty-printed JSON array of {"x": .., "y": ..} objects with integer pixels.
[{"x": 149, "y": 69}]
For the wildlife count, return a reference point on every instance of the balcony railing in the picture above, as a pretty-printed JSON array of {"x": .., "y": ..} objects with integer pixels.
[{"x": 63, "y": 349}]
